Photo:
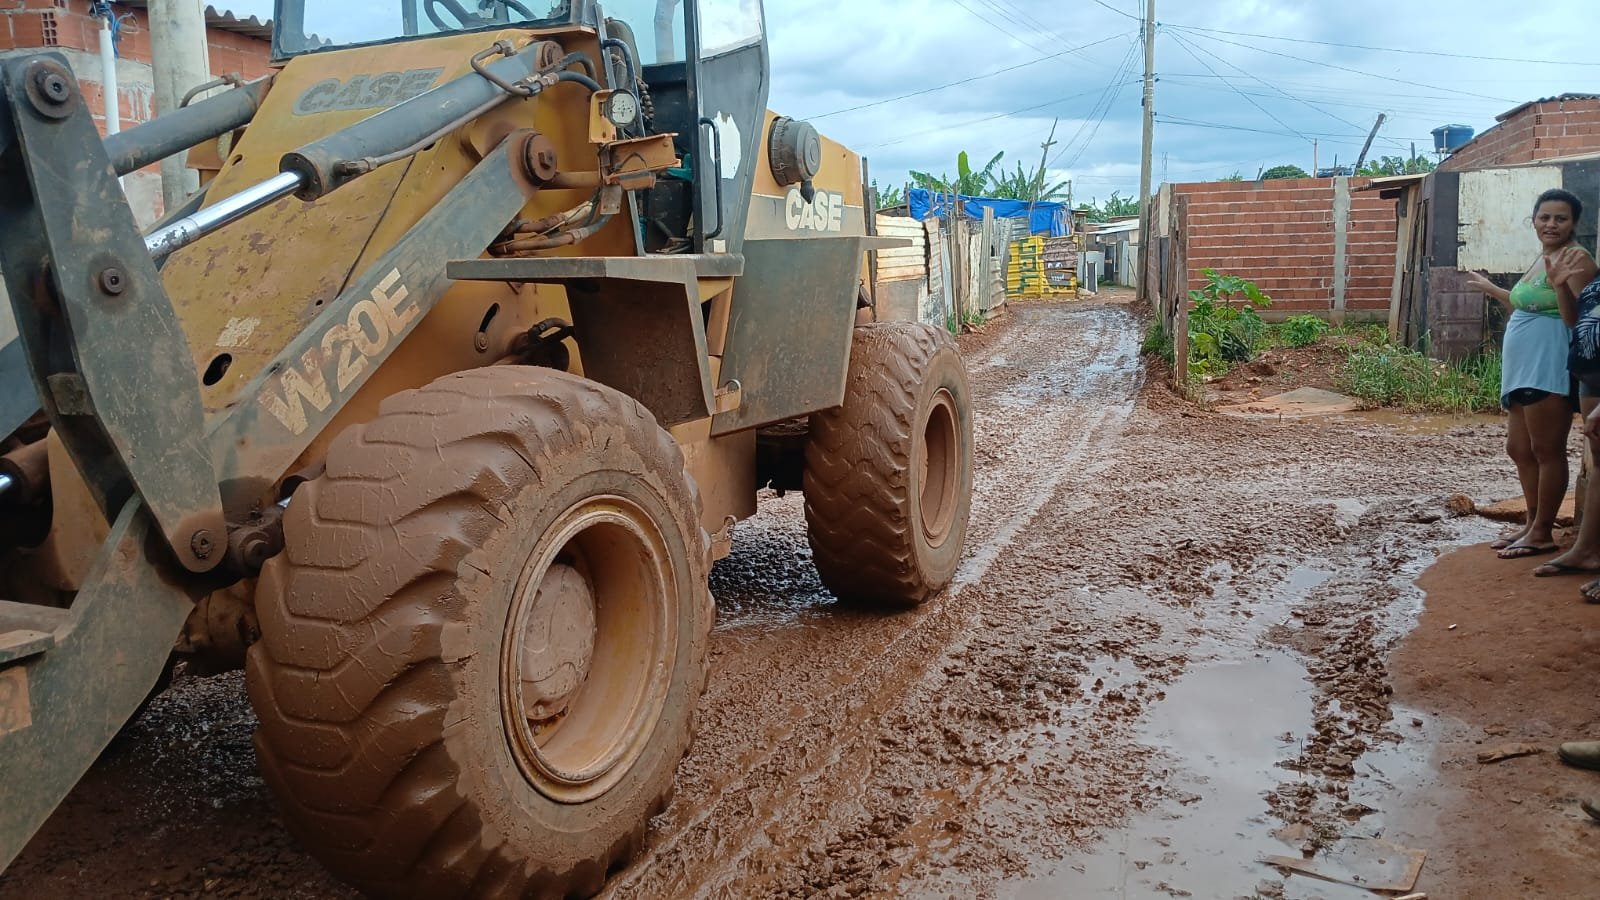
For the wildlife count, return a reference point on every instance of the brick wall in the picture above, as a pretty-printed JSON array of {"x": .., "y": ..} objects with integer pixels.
[
  {"x": 66, "y": 26},
  {"x": 1534, "y": 131},
  {"x": 1280, "y": 234}
]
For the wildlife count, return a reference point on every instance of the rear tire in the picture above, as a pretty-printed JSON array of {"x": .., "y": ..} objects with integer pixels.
[
  {"x": 888, "y": 477},
  {"x": 484, "y": 641}
]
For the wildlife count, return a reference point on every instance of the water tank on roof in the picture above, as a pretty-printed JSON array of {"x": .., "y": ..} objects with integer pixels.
[{"x": 1449, "y": 138}]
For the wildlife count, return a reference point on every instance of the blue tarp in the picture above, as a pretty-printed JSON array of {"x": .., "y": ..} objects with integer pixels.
[{"x": 1048, "y": 218}]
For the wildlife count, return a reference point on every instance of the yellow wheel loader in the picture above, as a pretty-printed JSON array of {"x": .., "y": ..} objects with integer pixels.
[{"x": 432, "y": 410}]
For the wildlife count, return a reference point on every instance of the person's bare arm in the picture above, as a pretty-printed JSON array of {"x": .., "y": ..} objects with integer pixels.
[
  {"x": 1570, "y": 268},
  {"x": 1480, "y": 281},
  {"x": 1569, "y": 271}
]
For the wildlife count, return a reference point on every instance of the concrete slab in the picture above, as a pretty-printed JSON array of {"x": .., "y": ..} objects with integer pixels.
[{"x": 1297, "y": 404}]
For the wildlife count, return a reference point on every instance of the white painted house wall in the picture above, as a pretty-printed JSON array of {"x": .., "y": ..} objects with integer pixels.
[{"x": 1494, "y": 218}]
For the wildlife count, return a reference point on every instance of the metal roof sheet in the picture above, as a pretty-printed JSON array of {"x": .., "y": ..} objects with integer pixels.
[
  {"x": 225, "y": 20},
  {"x": 1392, "y": 181},
  {"x": 1556, "y": 99}
]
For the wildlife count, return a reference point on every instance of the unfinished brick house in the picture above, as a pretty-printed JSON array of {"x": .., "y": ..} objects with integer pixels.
[
  {"x": 1550, "y": 128},
  {"x": 236, "y": 46},
  {"x": 1315, "y": 245},
  {"x": 1388, "y": 249},
  {"x": 1473, "y": 215}
]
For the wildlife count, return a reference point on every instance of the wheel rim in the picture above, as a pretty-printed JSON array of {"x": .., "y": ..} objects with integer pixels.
[
  {"x": 591, "y": 643},
  {"x": 938, "y": 466}
]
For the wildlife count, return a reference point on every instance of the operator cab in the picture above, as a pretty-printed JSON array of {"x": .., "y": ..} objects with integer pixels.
[{"x": 701, "y": 70}]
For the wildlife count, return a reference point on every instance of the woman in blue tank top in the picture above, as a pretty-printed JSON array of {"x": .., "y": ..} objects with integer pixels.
[{"x": 1536, "y": 389}]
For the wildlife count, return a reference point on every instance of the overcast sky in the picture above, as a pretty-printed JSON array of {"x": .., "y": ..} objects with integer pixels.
[{"x": 1238, "y": 98}]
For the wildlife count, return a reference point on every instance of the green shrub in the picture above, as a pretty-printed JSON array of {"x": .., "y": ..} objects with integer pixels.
[
  {"x": 1388, "y": 375},
  {"x": 1302, "y": 331},
  {"x": 1224, "y": 327},
  {"x": 1158, "y": 341}
]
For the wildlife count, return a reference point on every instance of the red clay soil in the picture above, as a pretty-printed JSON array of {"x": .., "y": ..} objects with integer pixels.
[
  {"x": 1501, "y": 658},
  {"x": 1284, "y": 369}
]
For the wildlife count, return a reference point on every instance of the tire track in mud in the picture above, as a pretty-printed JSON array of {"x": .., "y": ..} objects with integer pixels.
[
  {"x": 797, "y": 719},
  {"x": 1004, "y": 733}
]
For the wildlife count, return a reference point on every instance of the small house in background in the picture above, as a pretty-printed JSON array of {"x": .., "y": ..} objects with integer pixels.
[
  {"x": 963, "y": 254},
  {"x": 1024, "y": 249},
  {"x": 1473, "y": 214},
  {"x": 1112, "y": 252}
]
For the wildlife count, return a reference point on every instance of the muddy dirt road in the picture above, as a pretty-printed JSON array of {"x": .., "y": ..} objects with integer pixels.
[{"x": 1164, "y": 657}]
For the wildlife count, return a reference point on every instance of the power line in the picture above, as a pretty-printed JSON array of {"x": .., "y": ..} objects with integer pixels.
[
  {"x": 1354, "y": 139},
  {"x": 1125, "y": 15},
  {"x": 1088, "y": 141},
  {"x": 1248, "y": 99},
  {"x": 1005, "y": 31},
  {"x": 1300, "y": 59},
  {"x": 958, "y": 82},
  {"x": 1010, "y": 17},
  {"x": 943, "y": 128},
  {"x": 1374, "y": 95},
  {"x": 1276, "y": 37},
  {"x": 1274, "y": 87},
  {"x": 1416, "y": 110},
  {"x": 1108, "y": 98},
  {"x": 1027, "y": 18}
]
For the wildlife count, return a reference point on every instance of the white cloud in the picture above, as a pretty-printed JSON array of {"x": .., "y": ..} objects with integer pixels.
[{"x": 832, "y": 54}]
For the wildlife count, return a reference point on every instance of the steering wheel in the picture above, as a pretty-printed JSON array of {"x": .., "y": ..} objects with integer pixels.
[{"x": 466, "y": 19}]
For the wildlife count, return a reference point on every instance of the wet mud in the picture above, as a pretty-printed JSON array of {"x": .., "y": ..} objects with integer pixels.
[{"x": 1167, "y": 654}]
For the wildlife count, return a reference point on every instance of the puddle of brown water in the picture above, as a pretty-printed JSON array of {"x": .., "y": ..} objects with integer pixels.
[
  {"x": 1225, "y": 726},
  {"x": 1408, "y": 422},
  {"x": 1414, "y": 423}
]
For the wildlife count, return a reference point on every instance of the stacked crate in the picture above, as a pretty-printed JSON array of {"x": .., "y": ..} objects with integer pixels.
[
  {"x": 1025, "y": 272},
  {"x": 1061, "y": 266},
  {"x": 1043, "y": 267}
]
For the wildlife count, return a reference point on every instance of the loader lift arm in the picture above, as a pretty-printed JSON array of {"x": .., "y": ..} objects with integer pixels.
[{"x": 110, "y": 367}]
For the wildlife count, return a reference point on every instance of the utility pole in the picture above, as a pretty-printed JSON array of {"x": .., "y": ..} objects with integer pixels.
[
  {"x": 1315, "y": 163},
  {"x": 1368, "y": 145},
  {"x": 178, "y": 57},
  {"x": 1044, "y": 157},
  {"x": 1146, "y": 221},
  {"x": 1038, "y": 181}
]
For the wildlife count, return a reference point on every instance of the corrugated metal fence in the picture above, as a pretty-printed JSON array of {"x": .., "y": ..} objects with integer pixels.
[{"x": 942, "y": 277}]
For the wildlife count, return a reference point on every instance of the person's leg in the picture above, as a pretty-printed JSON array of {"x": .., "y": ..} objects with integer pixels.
[
  {"x": 1585, "y": 553},
  {"x": 1549, "y": 423},
  {"x": 1519, "y": 446}
]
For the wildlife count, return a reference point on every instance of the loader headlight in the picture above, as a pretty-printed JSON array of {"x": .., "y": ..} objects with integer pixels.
[{"x": 621, "y": 109}]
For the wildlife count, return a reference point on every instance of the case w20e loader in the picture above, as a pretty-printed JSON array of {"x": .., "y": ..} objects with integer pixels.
[{"x": 432, "y": 410}]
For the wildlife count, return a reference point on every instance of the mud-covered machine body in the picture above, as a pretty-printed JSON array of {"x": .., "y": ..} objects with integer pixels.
[{"x": 432, "y": 410}]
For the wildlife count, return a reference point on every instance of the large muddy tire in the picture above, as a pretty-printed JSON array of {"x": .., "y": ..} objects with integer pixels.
[
  {"x": 482, "y": 646},
  {"x": 888, "y": 475}
]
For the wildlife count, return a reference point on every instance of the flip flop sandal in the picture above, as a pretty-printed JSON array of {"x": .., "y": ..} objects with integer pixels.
[
  {"x": 1523, "y": 551},
  {"x": 1505, "y": 540},
  {"x": 1555, "y": 569}
]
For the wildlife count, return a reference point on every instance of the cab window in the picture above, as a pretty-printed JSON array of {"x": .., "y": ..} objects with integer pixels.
[{"x": 728, "y": 24}]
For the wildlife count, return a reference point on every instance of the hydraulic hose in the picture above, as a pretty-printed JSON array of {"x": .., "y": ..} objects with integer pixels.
[{"x": 409, "y": 124}]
